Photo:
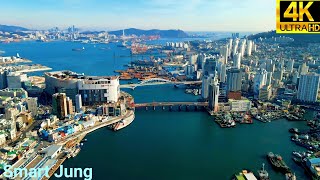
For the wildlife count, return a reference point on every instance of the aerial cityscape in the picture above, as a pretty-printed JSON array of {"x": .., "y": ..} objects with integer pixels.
[{"x": 84, "y": 99}]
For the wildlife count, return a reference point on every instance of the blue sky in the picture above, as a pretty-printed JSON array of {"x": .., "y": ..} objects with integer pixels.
[{"x": 189, "y": 15}]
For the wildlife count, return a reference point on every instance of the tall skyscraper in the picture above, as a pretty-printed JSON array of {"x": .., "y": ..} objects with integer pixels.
[
  {"x": 270, "y": 66},
  {"x": 230, "y": 42},
  {"x": 214, "y": 95},
  {"x": 243, "y": 47},
  {"x": 222, "y": 70},
  {"x": 237, "y": 60},
  {"x": 249, "y": 47},
  {"x": 69, "y": 106},
  {"x": 206, "y": 80},
  {"x": 289, "y": 65},
  {"x": 210, "y": 66},
  {"x": 59, "y": 105},
  {"x": 78, "y": 103},
  {"x": 234, "y": 80},
  {"x": 269, "y": 78},
  {"x": 308, "y": 87},
  {"x": 260, "y": 80},
  {"x": 3, "y": 79},
  {"x": 235, "y": 47},
  {"x": 224, "y": 51},
  {"x": 303, "y": 69},
  {"x": 32, "y": 105}
]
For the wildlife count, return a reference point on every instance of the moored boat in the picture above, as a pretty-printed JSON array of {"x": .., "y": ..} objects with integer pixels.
[{"x": 278, "y": 163}]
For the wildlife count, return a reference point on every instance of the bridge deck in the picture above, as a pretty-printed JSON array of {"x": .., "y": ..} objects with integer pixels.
[
  {"x": 150, "y": 83},
  {"x": 171, "y": 104}
]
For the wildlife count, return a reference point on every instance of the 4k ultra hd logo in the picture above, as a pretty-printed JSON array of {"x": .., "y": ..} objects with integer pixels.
[{"x": 298, "y": 16}]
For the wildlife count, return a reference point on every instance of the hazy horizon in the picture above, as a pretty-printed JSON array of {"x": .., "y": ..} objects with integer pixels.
[{"x": 192, "y": 15}]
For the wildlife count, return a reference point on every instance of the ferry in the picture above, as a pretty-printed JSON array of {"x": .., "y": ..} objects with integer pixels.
[{"x": 123, "y": 123}]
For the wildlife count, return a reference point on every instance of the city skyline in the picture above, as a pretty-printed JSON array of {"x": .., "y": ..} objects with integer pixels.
[{"x": 194, "y": 15}]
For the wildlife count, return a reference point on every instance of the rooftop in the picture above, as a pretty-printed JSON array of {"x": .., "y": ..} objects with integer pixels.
[{"x": 72, "y": 75}]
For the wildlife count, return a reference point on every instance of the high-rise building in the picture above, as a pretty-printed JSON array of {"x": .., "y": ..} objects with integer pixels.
[
  {"x": 270, "y": 66},
  {"x": 303, "y": 69},
  {"x": 32, "y": 105},
  {"x": 59, "y": 105},
  {"x": 206, "y": 80},
  {"x": 249, "y": 47},
  {"x": 15, "y": 80},
  {"x": 3, "y": 79},
  {"x": 237, "y": 60},
  {"x": 222, "y": 71},
  {"x": 69, "y": 106},
  {"x": 260, "y": 80},
  {"x": 289, "y": 65},
  {"x": 193, "y": 59},
  {"x": 214, "y": 95},
  {"x": 234, "y": 80},
  {"x": 210, "y": 66},
  {"x": 265, "y": 93},
  {"x": 230, "y": 43},
  {"x": 11, "y": 113},
  {"x": 78, "y": 103},
  {"x": 295, "y": 76},
  {"x": 242, "y": 47},
  {"x": 269, "y": 78},
  {"x": 224, "y": 52},
  {"x": 278, "y": 74},
  {"x": 308, "y": 87},
  {"x": 235, "y": 46}
]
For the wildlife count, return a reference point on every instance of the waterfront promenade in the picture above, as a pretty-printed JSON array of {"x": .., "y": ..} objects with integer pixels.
[{"x": 98, "y": 125}]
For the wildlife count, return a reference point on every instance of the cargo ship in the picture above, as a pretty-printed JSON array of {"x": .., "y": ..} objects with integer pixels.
[
  {"x": 123, "y": 123},
  {"x": 278, "y": 163}
]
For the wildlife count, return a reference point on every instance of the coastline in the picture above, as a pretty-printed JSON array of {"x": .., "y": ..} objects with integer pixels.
[{"x": 129, "y": 117}]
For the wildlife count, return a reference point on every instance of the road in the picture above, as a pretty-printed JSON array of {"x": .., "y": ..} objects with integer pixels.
[{"x": 98, "y": 125}]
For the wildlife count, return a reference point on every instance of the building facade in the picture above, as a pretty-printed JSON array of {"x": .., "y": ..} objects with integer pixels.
[{"x": 308, "y": 88}]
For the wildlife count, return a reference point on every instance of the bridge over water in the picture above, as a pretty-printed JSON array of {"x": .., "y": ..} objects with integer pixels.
[
  {"x": 157, "y": 81},
  {"x": 171, "y": 105}
]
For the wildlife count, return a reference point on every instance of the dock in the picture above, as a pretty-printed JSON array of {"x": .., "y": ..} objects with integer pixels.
[{"x": 63, "y": 157}]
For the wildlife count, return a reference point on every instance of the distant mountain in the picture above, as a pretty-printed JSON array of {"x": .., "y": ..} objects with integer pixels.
[
  {"x": 7, "y": 28},
  {"x": 301, "y": 38},
  {"x": 162, "y": 33}
]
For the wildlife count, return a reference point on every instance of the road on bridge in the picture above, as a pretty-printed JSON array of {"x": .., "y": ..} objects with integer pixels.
[{"x": 171, "y": 104}]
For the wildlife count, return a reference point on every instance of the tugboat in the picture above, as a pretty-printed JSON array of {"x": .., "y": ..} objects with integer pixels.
[
  {"x": 263, "y": 174},
  {"x": 278, "y": 163}
]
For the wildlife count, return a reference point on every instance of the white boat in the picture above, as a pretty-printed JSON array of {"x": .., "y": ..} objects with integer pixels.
[{"x": 124, "y": 123}]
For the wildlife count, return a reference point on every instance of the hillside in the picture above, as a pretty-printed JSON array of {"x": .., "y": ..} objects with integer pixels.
[
  {"x": 301, "y": 38},
  {"x": 162, "y": 33},
  {"x": 7, "y": 28}
]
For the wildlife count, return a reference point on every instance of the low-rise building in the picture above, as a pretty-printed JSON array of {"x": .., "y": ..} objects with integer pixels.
[{"x": 242, "y": 105}]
